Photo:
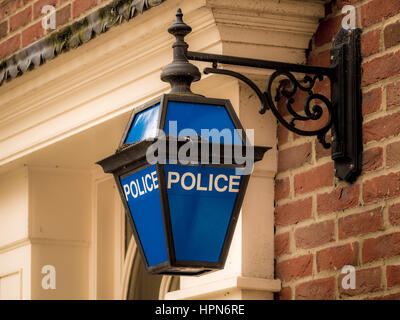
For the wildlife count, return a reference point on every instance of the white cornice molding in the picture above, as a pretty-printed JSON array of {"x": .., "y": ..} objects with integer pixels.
[{"x": 120, "y": 69}]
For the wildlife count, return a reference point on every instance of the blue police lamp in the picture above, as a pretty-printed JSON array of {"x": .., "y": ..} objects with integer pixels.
[{"x": 182, "y": 188}]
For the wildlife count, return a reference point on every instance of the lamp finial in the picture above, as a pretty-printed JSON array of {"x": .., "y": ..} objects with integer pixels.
[{"x": 180, "y": 73}]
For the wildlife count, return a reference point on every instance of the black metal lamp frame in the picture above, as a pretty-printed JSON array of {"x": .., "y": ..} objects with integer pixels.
[
  {"x": 344, "y": 105},
  {"x": 131, "y": 158}
]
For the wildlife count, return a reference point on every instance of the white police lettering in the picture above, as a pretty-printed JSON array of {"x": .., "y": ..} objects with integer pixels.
[
  {"x": 189, "y": 181},
  {"x": 141, "y": 186}
]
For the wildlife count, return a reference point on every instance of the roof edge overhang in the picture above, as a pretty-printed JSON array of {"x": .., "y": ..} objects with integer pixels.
[
  {"x": 99, "y": 83},
  {"x": 72, "y": 36}
]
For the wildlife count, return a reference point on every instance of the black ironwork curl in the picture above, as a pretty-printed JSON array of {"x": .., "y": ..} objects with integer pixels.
[{"x": 312, "y": 112}]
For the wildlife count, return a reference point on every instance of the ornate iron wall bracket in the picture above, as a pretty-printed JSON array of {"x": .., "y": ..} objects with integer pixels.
[
  {"x": 344, "y": 113},
  {"x": 341, "y": 112}
]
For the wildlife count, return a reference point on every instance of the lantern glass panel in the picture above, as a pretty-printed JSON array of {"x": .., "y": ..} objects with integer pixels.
[
  {"x": 142, "y": 193},
  {"x": 144, "y": 125},
  {"x": 198, "y": 116},
  {"x": 201, "y": 202}
]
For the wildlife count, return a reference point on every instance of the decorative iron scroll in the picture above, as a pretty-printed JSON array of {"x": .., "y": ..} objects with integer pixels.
[{"x": 313, "y": 112}]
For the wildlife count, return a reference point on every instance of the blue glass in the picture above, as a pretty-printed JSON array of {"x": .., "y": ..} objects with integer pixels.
[
  {"x": 200, "y": 116},
  {"x": 143, "y": 195},
  {"x": 144, "y": 125},
  {"x": 201, "y": 201}
]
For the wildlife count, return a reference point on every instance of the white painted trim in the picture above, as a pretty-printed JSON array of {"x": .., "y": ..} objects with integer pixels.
[
  {"x": 15, "y": 245},
  {"x": 119, "y": 233},
  {"x": 127, "y": 268},
  {"x": 221, "y": 286},
  {"x": 60, "y": 242},
  {"x": 93, "y": 245},
  {"x": 164, "y": 287},
  {"x": 12, "y": 273}
]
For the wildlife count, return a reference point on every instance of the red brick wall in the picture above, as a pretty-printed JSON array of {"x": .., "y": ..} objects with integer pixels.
[
  {"x": 21, "y": 25},
  {"x": 322, "y": 223}
]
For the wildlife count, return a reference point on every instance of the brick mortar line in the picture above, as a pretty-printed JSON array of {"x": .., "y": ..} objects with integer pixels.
[
  {"x": 314, "y": 151},
  {"x": 393, "y": 201},
  {"x": 314, "y": 266},
  {"x": 384, "y": 155},
  {"x": 7, "y": 17},
  {"x": 313, "y": 209},
  {"x": 336, "y": 273},
  {"x": 381, "y": 24},
  {"x": 382, "y": 262},
  {"x": 382, "y": 47},
  {"x": 292, "y": 240},
  {"x": 380, "y": 54},
  {"x": 317, "y": 191},
  {"x": 384, "y": 276},
  {"x": 87, "y": 12},
  {"x": 21, "y": 29},
  {"x": 359, "y": 208},
  {"x": 296, "y": 142},
  {"x": 355, "y": 210},
  {"x": 336, "y": 228},
  {"x": 384, "y": 101},
  {"x": 25, "y": 27},
  {"x": 8, "y": 37},
  {"x": 374, "y": 294},
  {"x": 384, "y": 142},
  {"x": 379, "y": 84},
  {"x": 307, "y": 195},
  {"x": 338, "y": 12},
  {"x": 378, "y": 173},
  {"x": 299, "y": 252},
  {"x": 299, "y": 141},
  {"x": 371, "y": 235},
  {"x": 334, "y": 215},
  {"x": 291, "y": 186},
  {"x": 384, "y": 170},
  {"x": 40, "y": 18},
  {"x": 383, "y": 291},
  {"x": 336, "y": 292},
  {"x": 385, "y": 217},
  {"x": 285, "y": 201},
  {"x": 305, "y": 167}
]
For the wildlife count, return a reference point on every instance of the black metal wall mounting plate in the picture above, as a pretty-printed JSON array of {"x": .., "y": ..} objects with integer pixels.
[{"x": 346, "y": 96}]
